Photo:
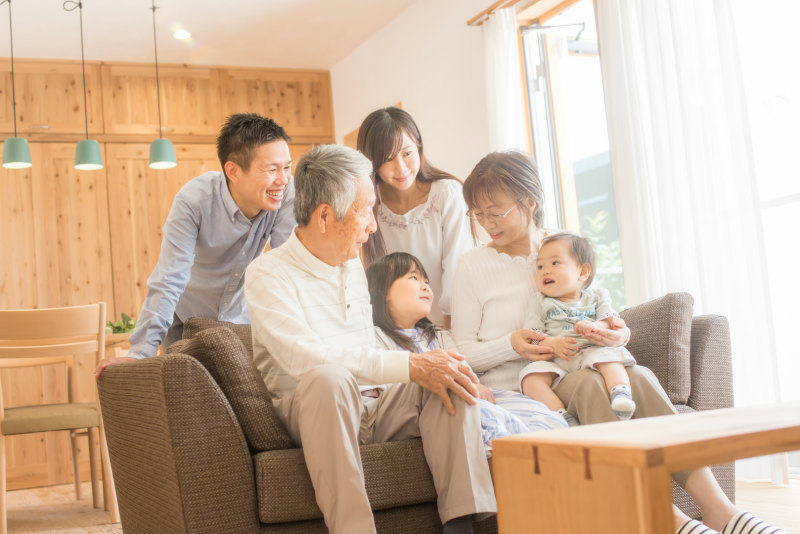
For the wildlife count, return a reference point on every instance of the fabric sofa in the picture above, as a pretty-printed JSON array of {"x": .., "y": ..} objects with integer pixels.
[{"x": 196, "y": 446}]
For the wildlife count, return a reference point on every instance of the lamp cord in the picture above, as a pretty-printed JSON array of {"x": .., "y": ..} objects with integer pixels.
[
  {"x": 79, "y": 5},
  {"x": 13, "y": 89},
  {"x": 158, "y": 88}
]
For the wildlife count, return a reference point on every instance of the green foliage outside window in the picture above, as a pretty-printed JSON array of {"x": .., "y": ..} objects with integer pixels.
[{"x": 609, "y": 259}]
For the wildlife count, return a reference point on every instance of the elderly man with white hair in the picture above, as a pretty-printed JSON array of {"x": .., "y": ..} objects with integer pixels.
[{"x": 314, "y": 344}]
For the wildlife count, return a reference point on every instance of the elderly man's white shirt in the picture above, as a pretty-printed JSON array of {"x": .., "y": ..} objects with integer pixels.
[{"x": 305, "y": 313}]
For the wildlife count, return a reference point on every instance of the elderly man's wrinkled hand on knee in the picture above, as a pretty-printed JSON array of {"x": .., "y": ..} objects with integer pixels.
[{"x": 442, "y": 370}]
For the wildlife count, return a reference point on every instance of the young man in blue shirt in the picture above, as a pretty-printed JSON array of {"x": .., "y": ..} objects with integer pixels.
[{"x": 219, "y": 222}]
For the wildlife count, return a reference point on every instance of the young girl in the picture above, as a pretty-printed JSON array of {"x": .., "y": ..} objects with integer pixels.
[
  {"x": 419, "y": 208},
  {"x": 401, "y": 301}
]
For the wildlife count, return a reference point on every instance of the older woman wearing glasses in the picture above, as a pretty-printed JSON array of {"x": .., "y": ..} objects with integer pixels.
[{"x": 491, "y": 290}]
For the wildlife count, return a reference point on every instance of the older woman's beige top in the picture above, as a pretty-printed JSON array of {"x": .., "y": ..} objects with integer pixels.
[{"x": 491, "y": 291}]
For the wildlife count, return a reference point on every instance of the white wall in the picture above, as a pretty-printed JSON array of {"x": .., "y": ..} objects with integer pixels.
[{"x": 431, "y": 61}]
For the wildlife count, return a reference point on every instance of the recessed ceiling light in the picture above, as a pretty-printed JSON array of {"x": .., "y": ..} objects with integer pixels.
[{"x": 181, "y": 34}]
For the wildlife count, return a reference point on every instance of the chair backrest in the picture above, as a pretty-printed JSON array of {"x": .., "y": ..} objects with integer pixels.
[{"x": 47, "y": 336}]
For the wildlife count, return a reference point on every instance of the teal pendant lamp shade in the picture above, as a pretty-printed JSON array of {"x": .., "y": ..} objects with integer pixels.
[
  {"x": 162, "y": 154},
  {"x": 16, "y": 154},
  {"x": 88, "y": 156}
]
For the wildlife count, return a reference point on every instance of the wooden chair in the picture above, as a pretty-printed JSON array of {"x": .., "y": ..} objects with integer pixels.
[{"x": 52, "y": 336}]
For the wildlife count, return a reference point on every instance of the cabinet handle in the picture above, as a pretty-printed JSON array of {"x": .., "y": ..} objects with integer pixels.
[{"x": 39, "y": 126}]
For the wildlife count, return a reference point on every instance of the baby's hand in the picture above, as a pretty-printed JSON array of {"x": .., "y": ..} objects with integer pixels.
[
  {"x": 586, "y": 326},
  {"x": 563, "y": 347}
]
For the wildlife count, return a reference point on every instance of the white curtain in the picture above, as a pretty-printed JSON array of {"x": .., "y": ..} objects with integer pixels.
[
  {"x": 684, "y": 176},
  {"x": 503, "y": 90}
]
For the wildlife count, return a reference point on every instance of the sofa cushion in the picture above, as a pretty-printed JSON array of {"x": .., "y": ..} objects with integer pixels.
[
  {"x": 193, "y": 325},
  {"x": 226, "y": 359},
  {"x": 395, "y": 474},
  {"x": 661, "y": 332}
]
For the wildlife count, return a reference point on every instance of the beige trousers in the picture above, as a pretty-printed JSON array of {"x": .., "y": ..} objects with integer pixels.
[
  {"x": 585, "y": 395},
  {"x": 328, "y": 417}
]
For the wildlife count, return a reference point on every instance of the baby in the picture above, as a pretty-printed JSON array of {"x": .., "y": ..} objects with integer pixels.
[{"x": 565, "y": 308}]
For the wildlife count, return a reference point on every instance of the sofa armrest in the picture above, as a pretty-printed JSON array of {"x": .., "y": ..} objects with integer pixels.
[
  {"x": 711, "y": 367},
  {"x": 179, "y": 458}
]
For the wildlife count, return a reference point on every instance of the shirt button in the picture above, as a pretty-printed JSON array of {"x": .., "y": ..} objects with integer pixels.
[
  {"x": 348, "y": 306},
  {"x": 235, "y": 274}
]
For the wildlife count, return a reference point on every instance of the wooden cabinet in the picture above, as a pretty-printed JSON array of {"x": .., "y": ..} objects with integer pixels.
[
  {"x": 54, "y": 231},
  {"x": 139, "y": 200},
  {"x": 50, "y": 98},
  {"x": 300, "y": 101},
  {"x": 189, "y": 100}
]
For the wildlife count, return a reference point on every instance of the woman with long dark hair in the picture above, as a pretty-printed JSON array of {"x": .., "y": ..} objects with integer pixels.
[{"x": 420, "y": 209}]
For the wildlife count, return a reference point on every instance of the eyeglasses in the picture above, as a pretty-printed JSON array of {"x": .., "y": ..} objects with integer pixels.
[{"x": 491, "y": 217}]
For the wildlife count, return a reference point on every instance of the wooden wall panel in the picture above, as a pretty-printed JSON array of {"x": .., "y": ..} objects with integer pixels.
[
  {"x": 50, "y": 94},
  {"x": 60, "y": 255},
  {"x": 139, "y": 201},
  {"x": 189, "y": 100},
  {"x": 299, "y": 101}
]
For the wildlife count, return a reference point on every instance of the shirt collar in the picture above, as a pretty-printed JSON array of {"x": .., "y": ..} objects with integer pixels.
[
  {"x": 231, "y": 208},
  {"x": 314, "y": 265}
]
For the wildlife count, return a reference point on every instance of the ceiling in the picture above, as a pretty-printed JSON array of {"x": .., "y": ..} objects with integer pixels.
[{"x": 309, "y": 34}]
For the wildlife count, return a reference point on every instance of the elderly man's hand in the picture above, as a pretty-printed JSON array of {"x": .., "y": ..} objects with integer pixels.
[{"x": 440, "y": 370}]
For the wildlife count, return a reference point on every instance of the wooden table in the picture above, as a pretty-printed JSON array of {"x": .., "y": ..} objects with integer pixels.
[{"x": 615, "y": 477}]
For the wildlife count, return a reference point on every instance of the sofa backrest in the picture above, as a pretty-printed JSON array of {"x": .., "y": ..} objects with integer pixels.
[
  {"x": 661, "y": 332},
  {"x": 223, "y": 354}
]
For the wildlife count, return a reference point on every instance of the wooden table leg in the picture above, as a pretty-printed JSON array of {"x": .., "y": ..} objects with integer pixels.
[{"x": 554, "y": 489}]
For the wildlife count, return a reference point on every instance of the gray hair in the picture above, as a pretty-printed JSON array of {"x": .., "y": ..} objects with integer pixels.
[{"x": 328, "y": 174}]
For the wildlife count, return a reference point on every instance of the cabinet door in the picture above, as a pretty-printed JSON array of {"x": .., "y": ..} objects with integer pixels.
[
  {"x": 139, "y": 200},
  {"x": 50, "y": 97},
  {"x": 297, "y": 151},
  {"x": 190, "y": 100},
  {"x": 300, "y": 101},
  {"x": 56, "y": 252}
]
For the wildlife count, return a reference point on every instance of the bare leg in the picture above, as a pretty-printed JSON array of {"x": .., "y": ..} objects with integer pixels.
[
  {"x": 715, "y": 506},
  {"x": 614, "y": 374},
  {"x": 679, "y": 517},
  {"x": 538, "y": 387}
]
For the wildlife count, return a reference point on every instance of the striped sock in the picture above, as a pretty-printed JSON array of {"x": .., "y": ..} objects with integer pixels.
[
  {"x": 747, "y": 523},
  {"x": 693, "y": 526}
]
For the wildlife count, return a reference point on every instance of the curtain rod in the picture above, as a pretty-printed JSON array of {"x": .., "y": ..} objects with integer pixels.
[
  {"x": 535, "y": 26},
  {"x": 481, "y": 17}
]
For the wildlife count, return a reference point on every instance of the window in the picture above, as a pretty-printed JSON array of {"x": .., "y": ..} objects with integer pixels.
[{"x": 570, "y": 137}]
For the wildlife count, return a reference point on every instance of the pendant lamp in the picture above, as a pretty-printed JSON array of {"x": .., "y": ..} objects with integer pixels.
[
  {"x": 87, "y": 154},
  {"x": 16, "y": 153},
  {"x": 162, "y": 153}
]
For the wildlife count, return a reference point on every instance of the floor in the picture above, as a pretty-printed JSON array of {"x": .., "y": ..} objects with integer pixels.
[{"x": 54, "y": 510}]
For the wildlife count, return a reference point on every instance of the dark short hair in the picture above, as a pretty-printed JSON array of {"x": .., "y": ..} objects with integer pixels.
[
  {"x": 512, "y": 173},
  {"x": 381, "y": 274},
  {"x": 580, "y": 249},
  {"x": 242, "y": 134},
  {"x": 380, "y": 136}
]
